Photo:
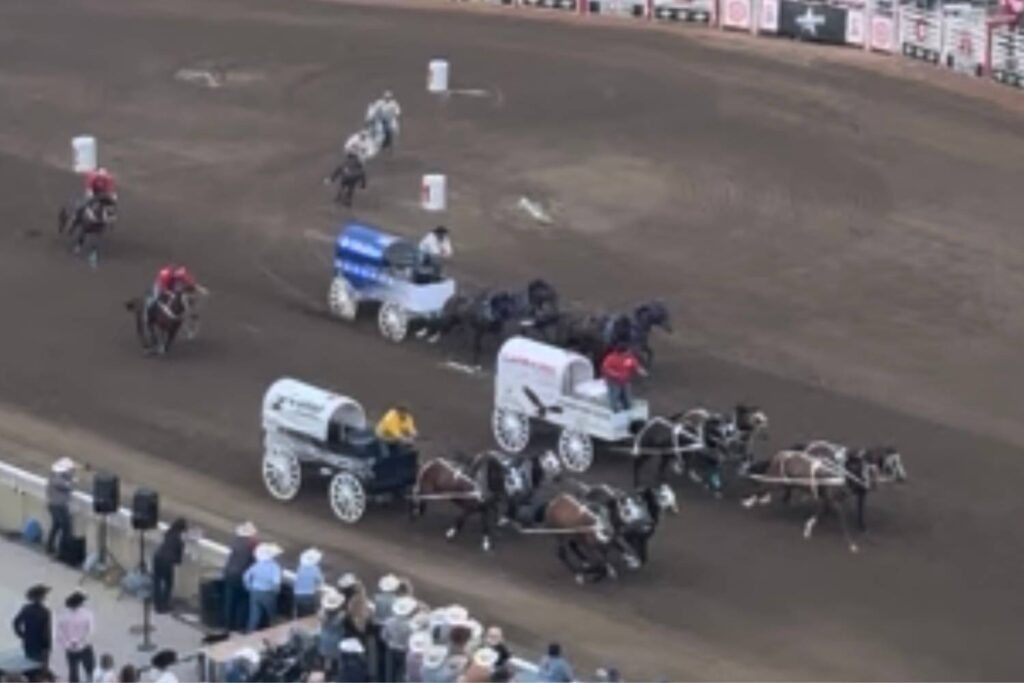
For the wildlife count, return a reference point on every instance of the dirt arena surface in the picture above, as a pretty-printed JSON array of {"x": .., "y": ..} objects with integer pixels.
[{"x": 841, "y": 247}]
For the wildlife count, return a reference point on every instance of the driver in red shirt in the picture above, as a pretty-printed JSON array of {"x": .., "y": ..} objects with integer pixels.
[{"x": 619, "y": 368}]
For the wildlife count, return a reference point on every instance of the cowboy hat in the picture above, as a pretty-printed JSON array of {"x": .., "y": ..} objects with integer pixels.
[
  {"x": 404, "y": 606},
  {"x": 494, "y": 636},
  {"x": 63, "y": 465},
  {"x": 248, "y": 654},
  {"x": 245, "y": 530},
  {"x": 310, "y": 557},
  {"x": 420, "y": 642},
  {"x": 267, "y": 551},
  {"x": 351, "y": 646},
  {"x": 435, "y": 656},
  {"x": 485, "y": 657},
  {"x": 331, "y": 600},
  {"x": 347, "y": 580},
  {"x": 456, "y": 614},
  {"x": 420, "y": 621},
  {"x": 388, "y": 583}
]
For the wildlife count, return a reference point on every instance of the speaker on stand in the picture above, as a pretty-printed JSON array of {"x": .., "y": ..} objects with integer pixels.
[
  {"x": 106, "y": 501},
  {"x": 145, "y": 517}
]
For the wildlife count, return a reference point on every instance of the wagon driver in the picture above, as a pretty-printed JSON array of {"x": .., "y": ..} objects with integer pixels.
[
  {"x": 435, "y": 250},
  {"x": 397, "y": 426}
]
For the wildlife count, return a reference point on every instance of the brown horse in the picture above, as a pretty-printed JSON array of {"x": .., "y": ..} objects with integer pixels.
[
  {"x": 475, "y": 489},
  {"x": 584, "y": 537}
]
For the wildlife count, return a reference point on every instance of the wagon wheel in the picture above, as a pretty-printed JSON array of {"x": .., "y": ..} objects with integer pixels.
[
  {"x": 348, "y": 498},
  {"x": 576, "y": 450},
  {"x": 340, "y": 299},
  {"x": 393, "y": 322},
  {"x": 282, "y": 474},
  {"x": 511, "y": 430}
]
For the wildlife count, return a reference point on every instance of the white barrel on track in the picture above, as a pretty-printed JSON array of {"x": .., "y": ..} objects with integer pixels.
[
  {"x": 434, "y": 192},
  {"x": 83, "y": 153},
  {"x": 437, "y": 76}
]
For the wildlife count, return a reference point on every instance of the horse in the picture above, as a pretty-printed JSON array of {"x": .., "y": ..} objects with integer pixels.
[
  {"x": 537, "y": 309},
  {"x": 476, "y": 489},
  {"x": 634, "y": 517},
  {"x": 829, "y": 474},
  {"x": 700, "y": 443},
  {"x": 484, "y": 313},
  {"x": 87, "y": 220},
  {"x": 524, "y": 477},
  {"x": 158, "y": 323},
  {"x": 584, "y": 535},
  {"x": 594, "y": 335},
  {"x": 349, "y": 173}
]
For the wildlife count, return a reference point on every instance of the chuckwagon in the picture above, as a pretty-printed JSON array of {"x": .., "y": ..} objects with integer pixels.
[
  {"x": 311, "y": 432},
  {"x": 372, "y": 265},
  {"x": 538, "y": 381}
]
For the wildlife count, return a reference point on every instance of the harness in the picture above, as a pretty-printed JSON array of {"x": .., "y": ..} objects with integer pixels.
[{"x": 475, "y": 494}]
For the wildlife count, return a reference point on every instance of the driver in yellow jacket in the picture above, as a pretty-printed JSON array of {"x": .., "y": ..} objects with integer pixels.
[{"x": 397, "y": 425}]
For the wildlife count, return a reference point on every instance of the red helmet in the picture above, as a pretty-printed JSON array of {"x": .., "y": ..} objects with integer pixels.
[
  {"x": 182, "y": 275},
  {"x": 100, "y": 180}
]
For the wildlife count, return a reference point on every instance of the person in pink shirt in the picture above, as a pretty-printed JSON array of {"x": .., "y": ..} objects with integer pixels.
[{"x": 75, "y": 629}]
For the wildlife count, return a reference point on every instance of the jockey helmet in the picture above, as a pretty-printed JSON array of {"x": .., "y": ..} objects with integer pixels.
[
  {"x": 440, "y": 231},
  {"x": 388, "y": 95},
  {"x": 101, "y": 181},
  {"x": 184, "y": 277}
]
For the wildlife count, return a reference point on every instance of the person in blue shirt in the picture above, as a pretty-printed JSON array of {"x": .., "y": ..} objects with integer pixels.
[
  {"x": 554, "y": 668},
  {"x": 308, "y": 582},
  {"x": 263, "y": 581}
]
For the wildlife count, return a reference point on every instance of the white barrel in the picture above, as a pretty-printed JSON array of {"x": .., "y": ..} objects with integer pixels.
[
  {"x": 83, "y": 153},
  {"x": 437, "y": 76},
  {"x": 434, "y": 192}
]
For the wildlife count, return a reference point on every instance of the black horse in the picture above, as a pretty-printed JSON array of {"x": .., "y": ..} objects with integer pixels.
[
  {"x": 707, "y": 446},
  {"x": 634, "y": 517},
  {"x": 594, "y": 335},
  {"x": 158, "y": 322},
  {"x": 524, "y": 477},
  {"x": 483, "y": 314},
  {"x": 537, "y": 310},
  {"x": 348, "y": 174},
  {"x": 86, "y": 220}
]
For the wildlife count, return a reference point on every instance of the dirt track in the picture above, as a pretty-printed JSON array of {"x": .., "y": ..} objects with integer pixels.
[{"x": 840, "y": 247}]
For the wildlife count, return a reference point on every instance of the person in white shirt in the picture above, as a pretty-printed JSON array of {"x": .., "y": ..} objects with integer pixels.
[
  {"x": 385, "y": 113},
  {"x": 359, "y": 144},
  {"x": 437, "y": 244},
  {"x": 162, "y": 662},
  {"x": 75, "y": 628},
  {"x": 106, "y": 673}
]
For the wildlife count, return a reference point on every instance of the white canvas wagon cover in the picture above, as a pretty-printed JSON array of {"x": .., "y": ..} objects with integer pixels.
[
  {"x": 299, "y": 407},
  {"x": 547, "y": 371}
]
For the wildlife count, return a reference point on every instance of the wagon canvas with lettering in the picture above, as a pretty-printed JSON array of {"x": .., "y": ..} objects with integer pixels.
[
  {"x": 537, "y": 381},
  {"x": 311, "y": 432},
  {"x": 373, "y": 266}
]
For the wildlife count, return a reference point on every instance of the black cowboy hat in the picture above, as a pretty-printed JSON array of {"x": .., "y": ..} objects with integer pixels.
[
  {"x": 37, "y": 592},
  {"x": 441, "y": 230},
  {"x": 164, "y": 659},
  {"x": 75, "y": 600}
]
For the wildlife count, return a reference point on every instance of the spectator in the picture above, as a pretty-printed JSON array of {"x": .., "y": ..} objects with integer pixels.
[
  {"x": 358, "y": 615},
  {"x": 397, "y": 632},
  {"x": 308, "y": 582},
  {"x": 450, "y": 617},
  {"x": 481, "y": 666},
  {"x": 162, "y": 662},
  {"x": 75, "y": 628},
  {"x": 105, "y": 673},
  {"x": 619, "y": 368},
  {"x": 348, "y": 584},
  {"x": 128, "y": 674},
  {"x": 58, "y": 502},
  {"x": 554, "y": 668},
  {"x": 354, "y": 668},
  {"x": 495, "y": 639},
  {"x": 332, "y": 630},
  {"x": 434, "y": 661},
  {"x": 382, "y": 603},
  {"x": 168, "y": 555},
  {"x": 419, "y": 643},
  {"x": 33, "y": 625},
  {"x": 263, "y": 581},
  {"x": 236, "y": 600}
]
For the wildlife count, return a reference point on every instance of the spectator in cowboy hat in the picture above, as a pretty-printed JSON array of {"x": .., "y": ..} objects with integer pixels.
[
  {"x": 397, "y": 631},
  {"x": 263, "y": 581},
  {"x": 348, "y": 584},
  {"x": 162, "y": 662},
  {"x": 332, "y": 629},
  {"x": 354, "y": 668},
  {"x": 308, "y": 582},
  {"x": 236, "y": 599},
  {"x": 34, "y": 626},
  {"x": 382, "y": 602},
  {"x": 494, "y": 638},
  {"x": 554, "y": 668},
  {"x": 419, "y": 643},
  {"x": 481, "y": 666},
  {"x": 168, "y": 555},
  {"x": 59, "y": 488},
  {"x": 434, "y": 669},
  {"x": 75, "y": 628}
]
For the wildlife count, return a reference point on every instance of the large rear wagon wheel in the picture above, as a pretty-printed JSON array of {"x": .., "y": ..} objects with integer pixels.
[
  {"x": 511, "y": 430},
  {"x": 341, "y": 300},
  {"x": 282, "y": 473},
  {"x": 348, "y": 497}
]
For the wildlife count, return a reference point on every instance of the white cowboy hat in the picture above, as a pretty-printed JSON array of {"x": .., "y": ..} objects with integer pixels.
[
  {"x": 420, "y": 622},
  {"x": 249, "y": 654},
  {"x": 245, "y": 530},
  {"x": 404, "y": 606},
  {"x": 351, "y": 646},
  {"x": 494, "y": 636},
  {"x": 331, "y": 600},
  {"x": 310, "y": 557},
  {"x": 267, "y": 551},
  {"x": 455, "y": 614},
  {"x": 388, "y": 583},
  {"x": 485, "y": 657},
  {"x": 347, "y": 580},
  {"x": 63, "y": 465},
  {"x": 420, "y": 642},
  {"x": 435, "y": 656}
]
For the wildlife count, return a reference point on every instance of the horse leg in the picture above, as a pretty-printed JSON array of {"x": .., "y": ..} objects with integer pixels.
[
  {"x": 566, "y": 559},
  {"x": 841, "y": 512},
  {"x": 813, "y": 519},
  {"x": 861, "y": 496},
  {"x": 485, "y": 526},
  {"x": 456, "y": 528}
]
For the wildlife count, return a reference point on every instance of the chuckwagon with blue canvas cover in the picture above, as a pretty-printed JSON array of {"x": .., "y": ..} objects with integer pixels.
[
  {"x": 372, "y": 265},
  {"x": 311, "y": 432}
]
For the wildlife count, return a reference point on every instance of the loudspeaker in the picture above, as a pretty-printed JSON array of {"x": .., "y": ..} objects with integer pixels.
[
  {"x": 145, "y": 510},
  {"x": 72, "y": 551},
  {"x": 106, "y": 493},
  {"x": 211, "y": 603}
]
